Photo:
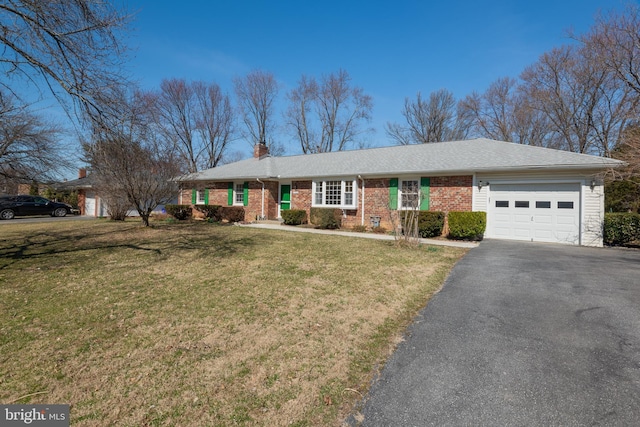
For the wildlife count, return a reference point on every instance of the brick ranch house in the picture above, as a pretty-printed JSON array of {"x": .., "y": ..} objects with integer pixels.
[{"x": 529, "y": 193}]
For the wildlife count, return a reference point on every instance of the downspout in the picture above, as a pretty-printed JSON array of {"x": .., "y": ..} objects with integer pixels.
[
  {"x": 262, "y": 218},
  {"x": 362, "y": 179}
]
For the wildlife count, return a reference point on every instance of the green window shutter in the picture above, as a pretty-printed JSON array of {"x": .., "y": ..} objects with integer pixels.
[
  {"x": 393, "y": 193},
  {"x": 425, "y": 184},
  {"x": 246, "y": 193},
  {"x": 206, "y": 196},
  {"x": 230, "y": 194},
  {"x": 194, "y": 196}
]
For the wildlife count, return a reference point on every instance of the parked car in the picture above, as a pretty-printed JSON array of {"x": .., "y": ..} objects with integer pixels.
[{"x": 11, "y": 206}]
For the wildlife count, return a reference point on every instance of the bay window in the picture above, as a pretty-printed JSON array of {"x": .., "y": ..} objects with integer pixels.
[{"x": 335, "y": 194}]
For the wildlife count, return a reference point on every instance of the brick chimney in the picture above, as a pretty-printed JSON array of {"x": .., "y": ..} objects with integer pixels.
[
  {"x": 260, "y": 150},
  {"x": 82, "y": 173}
]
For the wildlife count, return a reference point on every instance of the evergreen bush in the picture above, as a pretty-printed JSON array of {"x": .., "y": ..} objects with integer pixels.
[
  {"x": 211, "y": 212},
  {"x": 326, "y": 218},
  {"x": 179, "y": 212},
  {"x": 232, "y": 213},
  {"x": 621, "y": 228},
  {"x": 467, "y": 225},
  {"x": 294, "y": 216}
]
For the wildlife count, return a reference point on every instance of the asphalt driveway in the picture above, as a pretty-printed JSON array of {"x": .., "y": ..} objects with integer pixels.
[{"x": 521, "y": 334}]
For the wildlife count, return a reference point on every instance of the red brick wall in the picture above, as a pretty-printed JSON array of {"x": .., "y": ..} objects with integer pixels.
[
  {"x": 451, "y": 193},
  {"x": 219, "y": 195},
  {"x": 301, "y": 196},
  {"x": 271, "y": 199},
  {"x": 82, "y": 200},
  {"x": 253, "y": 210}
]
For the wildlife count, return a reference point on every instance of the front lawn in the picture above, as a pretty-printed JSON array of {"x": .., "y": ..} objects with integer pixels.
[{"x": 199, "y": 324}]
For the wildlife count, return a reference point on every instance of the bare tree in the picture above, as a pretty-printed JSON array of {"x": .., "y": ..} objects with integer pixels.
[
  {"x": 256, "y": 94},
  {"x": 176, "y": 121},
  {"x": 435, "y": 120},
  {"x": 215, "y": 122},
  {"x": 503, "y": 113},
  {"x": 30, "y": 148},
  {"x": 615, "y": 40},
  {"x": 585, "y": 108},
  {"x": 197, "y": 118},
  {"x": 128, "y": 159},
  {"x": 493, "y": 111},
  {"x": 69, "y": 47},
  {"x": 327, "y": 116},
  {"x": 299, "y": 114}
]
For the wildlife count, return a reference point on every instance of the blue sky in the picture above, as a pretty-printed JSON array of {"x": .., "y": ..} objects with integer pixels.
[{"x": 392, "y": 49}]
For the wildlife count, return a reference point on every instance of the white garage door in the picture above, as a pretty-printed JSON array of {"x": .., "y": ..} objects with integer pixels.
[
  {"x": 90, "y": 204},
  {"x": 535, "y": 212}
]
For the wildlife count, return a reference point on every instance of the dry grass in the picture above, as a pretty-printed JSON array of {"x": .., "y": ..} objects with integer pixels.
[{"x": 197, "y": 324}]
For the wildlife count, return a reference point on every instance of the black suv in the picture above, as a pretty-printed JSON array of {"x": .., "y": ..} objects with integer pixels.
[{"x": 11, "y": 206}]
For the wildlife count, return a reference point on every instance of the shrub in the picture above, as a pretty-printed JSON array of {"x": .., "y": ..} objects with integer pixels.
[
  {"x": 467, "y": 225},
  {"x": 211, "y": 212},
  {"x": 294, "y": 216},
  {"x": 379, "y": 230},
  {"x": 232, "y": 213},
  {"x": 64, "y": 196},
  {"x": 430, "y": 223},
  {"x": 179, "y": 212},
  {"x": 621, "y": 228},
  {"x": 326, "y": 218}
]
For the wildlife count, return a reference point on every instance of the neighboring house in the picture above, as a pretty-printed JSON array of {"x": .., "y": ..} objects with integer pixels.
[
  {"x": 529, "y": 193},
  {"x": 89, "y": 201}
]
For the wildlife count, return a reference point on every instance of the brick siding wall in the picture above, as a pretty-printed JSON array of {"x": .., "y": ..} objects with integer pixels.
[
  {"x": 448, "y": 193},
  {"x": 451, "y": 193},
  {"x": 219, "y": 195},
  {"x": 82, "y": 202}
]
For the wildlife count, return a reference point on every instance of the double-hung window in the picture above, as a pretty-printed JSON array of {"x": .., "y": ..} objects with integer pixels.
[
  {"x": 238, "y": 193},
  {"x": 335, "y": 193},
  {"x": 410, "y": 194},
  {"x": 200, "y": 199}
]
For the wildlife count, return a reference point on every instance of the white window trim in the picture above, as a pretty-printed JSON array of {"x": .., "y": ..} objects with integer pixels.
[
  {"x": 198, "y": 194},
  {"x": 352, "y": 206},
  {"x": 235, "y": 192},
  {"x": 420, "y": 195}
]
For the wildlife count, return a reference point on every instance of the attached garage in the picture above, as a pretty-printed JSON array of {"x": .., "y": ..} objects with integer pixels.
[{"x": 535, "y": 212}]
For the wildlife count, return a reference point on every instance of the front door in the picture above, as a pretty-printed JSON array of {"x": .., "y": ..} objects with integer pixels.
[{"x": 285, "y": 197}]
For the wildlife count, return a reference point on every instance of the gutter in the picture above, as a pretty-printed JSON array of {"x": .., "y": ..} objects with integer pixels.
[
  {"x": 362, "y": 209},
  {"x": 262, "y": 218}
]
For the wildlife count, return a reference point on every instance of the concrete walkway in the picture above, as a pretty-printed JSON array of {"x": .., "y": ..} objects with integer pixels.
[{"x": 281, "y": 227}]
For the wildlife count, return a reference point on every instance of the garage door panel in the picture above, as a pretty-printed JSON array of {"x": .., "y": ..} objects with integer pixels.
[
  {"x": 566, "y": 220},
  {"x": 502, "y": 232},
  {"x": 522, "y": 232},
  {"x": 543, "y": 219},
  {"x": 546, "y": 212},
  {"x": 543, "y": 234}
]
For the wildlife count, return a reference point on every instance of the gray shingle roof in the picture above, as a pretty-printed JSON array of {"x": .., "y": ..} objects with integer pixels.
[
  {"x": 75, "y": 184},
  {"x": 454, "y": 157}
]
